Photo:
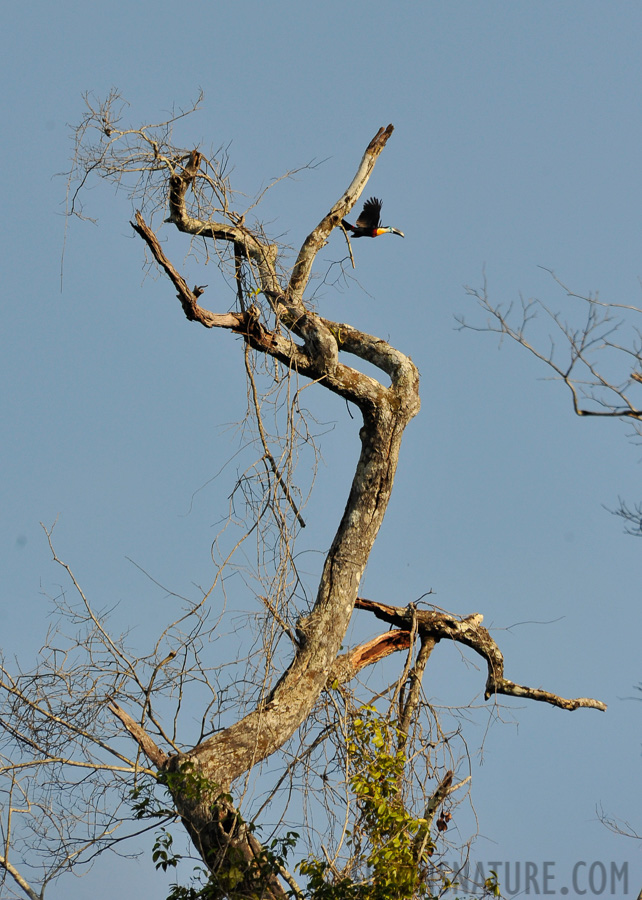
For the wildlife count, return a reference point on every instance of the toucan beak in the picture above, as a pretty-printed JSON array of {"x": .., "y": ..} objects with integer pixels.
[{"x": 396, "y": 231}]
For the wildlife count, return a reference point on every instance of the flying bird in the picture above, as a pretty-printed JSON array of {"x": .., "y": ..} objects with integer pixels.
[{"x": 368, "y": 223}]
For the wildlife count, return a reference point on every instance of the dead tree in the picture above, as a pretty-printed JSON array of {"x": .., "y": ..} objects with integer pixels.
[{"x": 41, "y": 711}]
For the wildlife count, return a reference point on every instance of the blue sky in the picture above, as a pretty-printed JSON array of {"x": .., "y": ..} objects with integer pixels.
[{"x": 518, "y": 129}]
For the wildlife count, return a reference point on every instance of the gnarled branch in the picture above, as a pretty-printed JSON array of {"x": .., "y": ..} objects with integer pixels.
[{"x": 469, "y": 631}]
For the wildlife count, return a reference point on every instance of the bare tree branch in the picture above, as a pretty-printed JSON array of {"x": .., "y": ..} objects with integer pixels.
[
  {"x": 586, "y": 349},
  {"x": 153, "y": 753},
  {"x": 469, "y": 631}
]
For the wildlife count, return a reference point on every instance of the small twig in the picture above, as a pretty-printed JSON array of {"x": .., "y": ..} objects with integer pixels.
[
  {"x": 266, "y": 449},
  {"x": 148, "y": 692},
  {"x": 347, "y": 237}
]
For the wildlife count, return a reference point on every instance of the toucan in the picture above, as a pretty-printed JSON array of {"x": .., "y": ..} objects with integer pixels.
[{"x": 368, "y": 222}]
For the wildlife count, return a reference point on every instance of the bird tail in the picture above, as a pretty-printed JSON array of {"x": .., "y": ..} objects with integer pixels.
[{"x": 347, "y": 225}]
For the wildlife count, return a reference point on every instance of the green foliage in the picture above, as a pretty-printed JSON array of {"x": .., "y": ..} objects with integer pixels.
[
  {"x": 191, "y": 784},
  {"x": 163, "y": 856},
  {"x": 491, "y": 885},
  {"x": 321, "y": 888},
  {"x": 232, "y": 882},
  {"x": 389, "y": 843},
  {"x": 146, "y": 806},
  {"x": 390, "y": 848},
  {"x": 233, "y": 879}
]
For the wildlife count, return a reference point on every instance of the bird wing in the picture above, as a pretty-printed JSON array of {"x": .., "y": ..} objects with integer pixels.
[{"x": 370, "y": 214}]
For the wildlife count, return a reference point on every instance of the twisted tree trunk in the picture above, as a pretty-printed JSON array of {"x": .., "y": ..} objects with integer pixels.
[{"x": 201, "y": 779}]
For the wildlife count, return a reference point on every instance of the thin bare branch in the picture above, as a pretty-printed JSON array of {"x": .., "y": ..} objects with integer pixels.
[{"x": 587, "y": 350}]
